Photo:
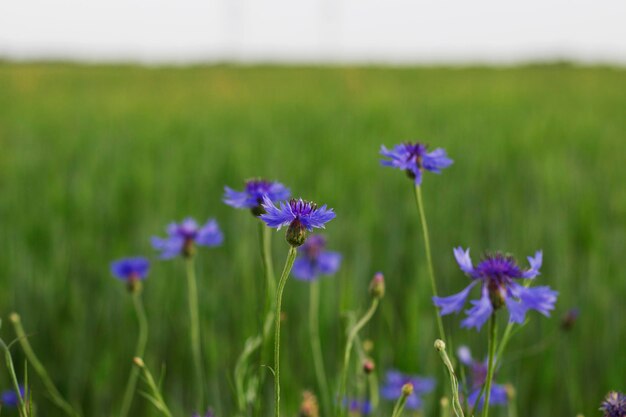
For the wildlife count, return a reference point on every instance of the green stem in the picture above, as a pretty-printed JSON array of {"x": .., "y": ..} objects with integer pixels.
[
  {"x": 316, "y": 345},
  {"x": 399, "y": 407},
  {"x": 194, "y": 316},
  {"x": 429, "y": 260},
  {"x": 440, "y": 346},
  {"x": 55, "y": 395},
  {"x": 268, "y": 265},
  {"x": 291, "y": 256},
  {"x": 346, "y": 355},
  {"x": 142, "y": 340},
  {"x": 16, "y": 385},
  {"x": 490, "y": 364},
  {"x": 156, "y": 398}
]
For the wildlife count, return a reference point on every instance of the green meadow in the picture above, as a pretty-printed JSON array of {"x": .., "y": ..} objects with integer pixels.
[{"x": 94, "y": 160}]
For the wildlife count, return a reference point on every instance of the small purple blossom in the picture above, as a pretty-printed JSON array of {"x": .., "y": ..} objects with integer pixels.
[
  {"x": 497, "y": 275},
  {"x": 358, "y": 407},
  {"x": 477, "y": 378},
  {"x": 209, "y": 413},
  {"x": 10, "y": 399},
  {"x": 182, "y": 238},
  {"x": 314, "y": 260},
  {"x": 614, "y": 405},
  {"x": 413, "y": 159},
  {"x": 394, "y": 381},
  {"x": 252, "y": 196},
  {"x": 131, "y": 269}
]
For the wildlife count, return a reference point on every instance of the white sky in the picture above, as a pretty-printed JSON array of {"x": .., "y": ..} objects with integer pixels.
[{"x": 398, "y": 31}]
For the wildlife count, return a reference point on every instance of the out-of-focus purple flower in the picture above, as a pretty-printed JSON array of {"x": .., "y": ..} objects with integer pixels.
[
  {"x": 314, "y": 260},
  {"x": 358, "y": 407},
  {"x": 569, "y": 318},
  {"x": 497, "y": 275},
  {"x": 477, "y": 378},
  {"x": 131, "y": 269},
  {"x": 301, "y": 216},
  {"x": 184, "y": 236},
  {"x": 394, "y": 381},
  {"x": 252, "y": 196},
  {"x": 413, "y": 159},
  {"x": 614, "y": 405},
  {"x": 10, "y": 399}
]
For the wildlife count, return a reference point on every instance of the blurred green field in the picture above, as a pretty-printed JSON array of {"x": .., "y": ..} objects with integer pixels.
[{"x": 96, "y": 159}]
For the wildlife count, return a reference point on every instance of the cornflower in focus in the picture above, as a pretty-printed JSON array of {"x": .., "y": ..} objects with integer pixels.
[
  {"x": 614, "y": 405},
  {"x": 497, "y": 274},
  {"x": 413, "y": 158}
]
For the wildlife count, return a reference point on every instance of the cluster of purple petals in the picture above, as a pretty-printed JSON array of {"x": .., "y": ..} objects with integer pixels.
[
  {"x": 477, "y": 378},
  {"x": 413, "y": 158},
  {"x": 129, "y": 269},
  {"x": 181, "y": 235},
  {"x": 314, "y": 260},
  {"x": 209, "y": 413},
  {"x": 497, "y": 275},
  {"x": 614, "y": 405},
  {"x": 299, "y": 211},
  {"x": 10, "y": 399},
  {"x": 254, "y": 192},
  {"x": 394, "y": 381},
  {"x": 358, "y": 407}
]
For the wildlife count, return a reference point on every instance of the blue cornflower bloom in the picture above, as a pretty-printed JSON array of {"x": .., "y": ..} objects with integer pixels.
[
  {"x": 209, "y": 413},
  {"x": 394, "y": 381},
  {"x": 413, "y": 159},
  {"x": 477, "y": 377},
  {"x": 614, "y": 405},
  {"x": 182, "y": 238},
  {"x": 252, "y": 197},
  {"x": 315, "y": 260},
  {"x": 131, "y": 269},
  {"x": 10, "y": 399},
  {"x": 358, "y": 407},
  {"x": 301, "y": 216},
  {"x": 498, "y": 274}
]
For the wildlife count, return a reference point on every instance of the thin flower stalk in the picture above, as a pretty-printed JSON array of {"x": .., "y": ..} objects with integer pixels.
[
  {"x": 491, "y": 362},
  {"x": 316, "y": 346},
  {"x": 154, "y": 396},
  {"x": 9, "y": 362},
  {"x": 194, "y": 318}
]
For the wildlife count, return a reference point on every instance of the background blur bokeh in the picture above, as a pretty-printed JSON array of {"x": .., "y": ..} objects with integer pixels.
[{"x": 95, "y": 160}]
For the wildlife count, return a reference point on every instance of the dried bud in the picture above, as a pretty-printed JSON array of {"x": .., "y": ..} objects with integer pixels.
[
  {"x": 368, "y": 366},
  {"x": 407, "y": 389},
  {"x": 377, "y": 285},
  {"x": 14, "y": 317},
  {"x": 440, "y": 345},
  {"x": 309, "y": 406},
  {"x": 296, "y": 234}
]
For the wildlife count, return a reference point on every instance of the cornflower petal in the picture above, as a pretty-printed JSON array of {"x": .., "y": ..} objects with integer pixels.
[
  {"x": 480, "y": 312},
  {"x": 453, "y": 303}
]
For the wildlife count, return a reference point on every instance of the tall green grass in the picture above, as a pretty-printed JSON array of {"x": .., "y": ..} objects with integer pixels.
[{"x": 95, "y": 160}]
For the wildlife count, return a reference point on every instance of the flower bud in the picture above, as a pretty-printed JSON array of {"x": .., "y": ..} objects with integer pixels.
[
  {"x": 14, "y": 317},
  {"x": 368, "y": 366},
  {"x": 139, "y": 362},
  {"x": 440, "y": 345},
  {"x": 134, "y": 285},
  {"x": 377, "y": 285},
  {"x": 296, "y": 234},
  {"x": 407, "y": 389}
]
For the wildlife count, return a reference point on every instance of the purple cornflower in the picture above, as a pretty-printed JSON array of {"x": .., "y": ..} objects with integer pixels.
[
  {"x": 315, "y": 260},
  {"x": 477, "y": 378},
  {"x": 614, "y": 405},
  {"x": 131, "y": 269},
  {"x": 10, "y": 399},
  {"x": 497, "y": 274},
  {"x": 301, "y": 216},
  {"x": 358, "y": 407},
  {"x": 394, "y": 381},
  {"x": 252, "y": 197},
  {"x": 413, "y": 159},
  {"x": 182, "y": 238},
  {"x": 209, "y": 413}
]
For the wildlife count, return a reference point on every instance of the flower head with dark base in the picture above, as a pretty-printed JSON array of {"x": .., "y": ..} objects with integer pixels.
[
  {"x": 477, "y": 377},
  {"x": 131, "y": 270},
  {"x": 314, "y": 260},
  {"x": 252, "y": 196},
  {"x": 10, "y": 399},
  {"x": 498, "y": 275},
  {"x": 299, "y": 215},
  {"x": 414, "y": 159},
  {"x": 395, "y": 381},
  {"x": 614, "y": 405},
  {"x": 184, "y": 236}
]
